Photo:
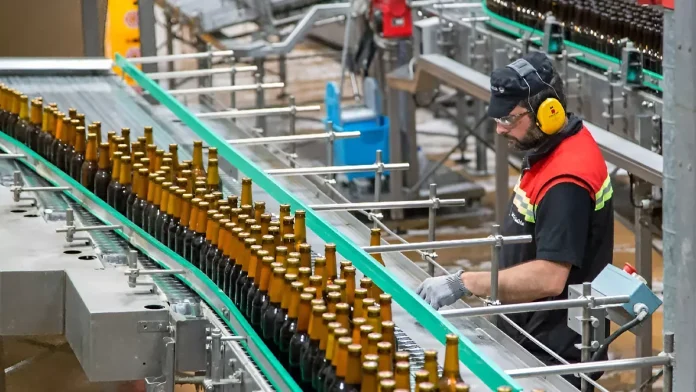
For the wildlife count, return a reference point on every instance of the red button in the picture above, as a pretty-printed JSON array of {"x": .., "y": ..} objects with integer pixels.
[{"x": 629, "y": 269}]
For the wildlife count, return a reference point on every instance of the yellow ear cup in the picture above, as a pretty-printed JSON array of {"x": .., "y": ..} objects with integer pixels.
[{"x": 551, "y": 116}]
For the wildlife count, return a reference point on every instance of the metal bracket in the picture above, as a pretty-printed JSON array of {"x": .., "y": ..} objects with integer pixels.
[
  {"x": 153, "y": 326},
  {"x": 18, "y": 187},
  {"x": 70, "y": 228}
]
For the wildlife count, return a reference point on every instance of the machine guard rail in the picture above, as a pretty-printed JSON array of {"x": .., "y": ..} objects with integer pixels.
[{"x": 487, "y": 371}]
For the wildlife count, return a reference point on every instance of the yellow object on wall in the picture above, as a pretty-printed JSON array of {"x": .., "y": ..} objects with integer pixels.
[{"x": 122, "y": 34}]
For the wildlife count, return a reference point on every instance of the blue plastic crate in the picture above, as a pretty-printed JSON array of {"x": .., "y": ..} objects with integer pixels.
[{"x": 362, "y": 150}]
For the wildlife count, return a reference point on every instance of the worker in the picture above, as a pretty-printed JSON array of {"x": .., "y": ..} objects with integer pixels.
[{"x": 562, "y": 199}]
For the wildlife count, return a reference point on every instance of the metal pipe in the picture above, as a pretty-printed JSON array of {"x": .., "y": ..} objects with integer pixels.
[
  {"x": 235, "y": 338},
  {"x": 432, "y": 215},
  {"x": 378, "y": 182},
  {"x": 335, "y": 169},
  {"x": 668, "y": 348},
  {"x": 182, "y": 56},
  {"x": 159, "y": 272},
  {"x": 89, "y": 228},
  {"x": 456, "y": 5},
  {"x": 596, "y": 366},
  {"x": 199, "y": 72},
  {"x": 293, "y": 127},
  {"x": 216, "y": 355},
  {"x": 258, "y": 112},
  {"x": 46, "y": 189},
  {"x": 388, "y": 205},
  {"x": 330, "y": 147},
  {"x": 222, "y": 89},
  {"x": 515, "y": 239},
  {"x": 344, "y": 54},
  {"x": 12, "y": 156},
  {"x": 293, "y": 138},
  {"x": 586, "y": 338},
  {"x": 536, "y": 306},
  {"x": 260, "y": 97}
]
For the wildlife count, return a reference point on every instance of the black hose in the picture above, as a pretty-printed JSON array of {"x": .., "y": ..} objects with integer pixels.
[{"x": 603, "y": 349}]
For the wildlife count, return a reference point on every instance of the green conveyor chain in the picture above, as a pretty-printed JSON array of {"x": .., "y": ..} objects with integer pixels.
[
  {"x": 486, "y": 370},
  {"x": 517, "y": 29}
]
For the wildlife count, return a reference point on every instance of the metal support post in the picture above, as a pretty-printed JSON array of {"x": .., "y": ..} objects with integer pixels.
[
  {"x": 170, "y": 45},
  {"x": 201, "y": 46},
  {"x": 233, "y": 93},
  {"x": 293, "y": 128},
  {"x": 396, "y": 180},
  {"x": 330, "y": 147},
  {"x": 146, "y": 24},
  {"x": 283, "y": 73},
  {"x": 585, "y": 349},
  {"x": 91, "y": 29},
  {"x": 169, "y": 370},
  {"x": 378, "y": 182},
  {"x": 260, "y": 103},
  {"x": 432, "y": 214},
  {"x": 668, "y": 369},
  {"x": 216, "y": 355},
  {"x": 643, "y": 263},
  {"x": 495, "y": 261},
  {"x": 679, "y": 184}
]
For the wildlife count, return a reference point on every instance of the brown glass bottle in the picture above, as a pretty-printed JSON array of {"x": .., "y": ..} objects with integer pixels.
[
  {"x": 430, "y": 365},
  {"x": 322, "y": 363},
  {"x": 309, "y": 354},
  {"x": 369, "y": 377},
  {"x": 13, "y": 117},
  {"x": 124, "y": 179},
  {"x": 462, "y": 387},
  {"x": 163, "y": 217},
  {"x": 402, "y": 375},
  {"x": 350, "y": 379},
  {"x": 155, "y": 210},
  {"x": 175, "y": 220},
  {"x": 69, "y": 144},
  {"x": 192, "y": 227},
  {"x": 289, "y": 325},
  {"x": 183, "y": 228},
  {"x": 233, "y": 254},
  {"x": 260, "y": 301},
  {"x": 213, "y": 179},
  {"x": 331, "y": 267},
  {"x": 33, "y": 133},
  {"x": 103, "y": 176},
  {"x": 58, "y": 122},
  {"x": 199, "y": 237},
  {"x": 197, "y": 164},
  {"x": 212, "y": 251},
  {"x": 114, "y": 184},
  {"x": 90, "y": 166},
  {"x": 299, "y": 340},
  {"x": 246, "y": 192},
  {"x": 250, "y": 248},
  {"x": 135, "y": 187},
  {"x": 253, "y": 273},
  {"x": 450, "y": 372},
  {"x": 212, "y": 222},
  {"x": 273, "y": 307},
  {"x": 149, "y": 199},
  {"x": 338, "y": 363},
  {"x": 384, "y": 351},
  {"x": 243, "y": 250},
  {"x": 224, "y": 261},
  {"x": 22, "y": 125},
  {"x": 140, "y": 204},
  {"x": 421, "y": 376},
  {"x": 60, "y": 145},
  {"x": 43, "y": 137},
  {"x": 78, "y": 157}
]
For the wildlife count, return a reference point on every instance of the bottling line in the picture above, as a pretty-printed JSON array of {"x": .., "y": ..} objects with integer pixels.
[{"x": 135, "y": 304}]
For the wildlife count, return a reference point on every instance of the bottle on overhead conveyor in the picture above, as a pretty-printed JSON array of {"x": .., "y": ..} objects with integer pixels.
[
  {"x": 322, "y": 366},
  {"x": 163, "y": 205},
  {"x": 60, "y": 144},
  {"x": 72, "y": 139},
  {"x": 22, "y": 124},
  {"x": 199, "y": 238},
  {"x": 246, "y": 199},
  {"x": 142, "y": 144},
  {"x": 124, "y": 179},
  {"x": 221, "y": 263},
  {"x": 240, "y": 255},
  {"x": 13, "y": 118},
  {"x": 246, "y": 278},
  {"x": 45, "y": 137},
  {"x": 78, "y": 157},
  {"x": 208, "y": 236},
  {"x": 231, "y": 256},
  {"x": 90, "y": 166},
  {"x": 95, "y": 128},
  {"x": 174, "y": 150},
  {"x": 125, "y": 134},
  {"x": 311, "y": 350},
  {"x": 34, "y": 131},
  {"x": 299, "y": 341},
  {"x": 175, "y": 220},
  {"x": 369, "y": 377},
  {"x": 65, "y": 155},
  {"x": 140, "y": 204},
  {"x": 3, "y": 105},
  {"x": 213, "y": 180},
  {"x": 153, "y": 211},
  {"x": 250, "y": 248},
  {"x": 260, "y": 300},
  {"x": 55, "y": 128},
  {"x": 450, "y": 374},
  {"x": 253, "y": 281},
  {"x": 282, "y": 314}
]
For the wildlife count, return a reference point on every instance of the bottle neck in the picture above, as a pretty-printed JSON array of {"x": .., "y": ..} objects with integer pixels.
[
  {"x": 451, "y": 365},
  {"x": 193, "y": 216},
  {"x": 142, "y": 191},
  {"x": 276, "y": 288},
  {"x": 353, "y": 374},
  {"x": 253, "y": 264},
  {"x": 117, "y": 170},
  {"x": 246, "y": 193},
  {"x": 213, "y": 178},
  {"x": 36, "y": 114},
  {"x": 157, "y": 198},
  {"x": 202, "y": 221},
  {"x": 171, "y": 203},
  {"x": 304, "y": 313},
  {"x": 331, "y": 272},
  {"x": 164, "y": 199},
  {"x": 328, "y": 344},
  {"x": 293, "y": 309},
  {"x": 24, "y": 110},
  {"x": 45, "y": 121},
  {"x": 341, "y": 361},
  {"x": 80, "y": 142},
  {"x": 185, "y": 212},
  {"x": 91, "y": 154},
  {"x": 125, "y": 177}
]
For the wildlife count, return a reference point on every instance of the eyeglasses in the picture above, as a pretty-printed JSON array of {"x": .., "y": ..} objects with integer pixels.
[{"x": 511, "y": 120}]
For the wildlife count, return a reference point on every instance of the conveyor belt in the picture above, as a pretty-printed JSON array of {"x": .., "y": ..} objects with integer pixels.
[{"x": 107, "y": 100}]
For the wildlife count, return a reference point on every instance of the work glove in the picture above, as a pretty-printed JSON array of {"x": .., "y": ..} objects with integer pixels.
[{"x": 443, "y": 290}]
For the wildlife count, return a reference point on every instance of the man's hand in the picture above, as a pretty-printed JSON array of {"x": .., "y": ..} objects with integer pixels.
[{"x": 443, "y": 290}]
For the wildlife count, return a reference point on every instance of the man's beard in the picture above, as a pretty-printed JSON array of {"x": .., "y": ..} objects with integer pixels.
[{"x": 532, "y": 139}]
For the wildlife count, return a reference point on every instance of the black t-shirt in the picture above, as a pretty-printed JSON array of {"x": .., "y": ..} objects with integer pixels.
[{"x": 568, "y": 226}]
